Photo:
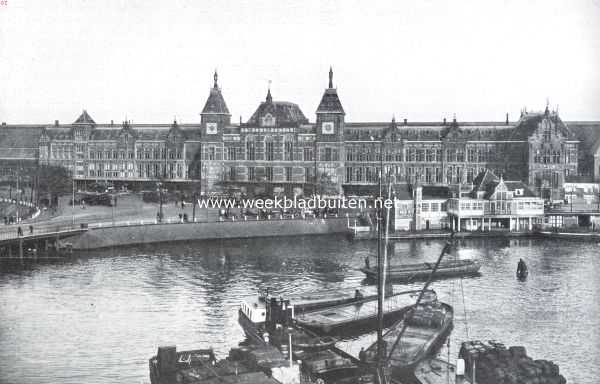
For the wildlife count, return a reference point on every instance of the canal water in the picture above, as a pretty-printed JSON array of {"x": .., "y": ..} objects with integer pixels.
[{"x": 99, "y": 316}]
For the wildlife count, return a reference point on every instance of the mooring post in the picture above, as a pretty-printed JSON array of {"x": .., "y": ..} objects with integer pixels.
[{"x": 21, "y": 248}]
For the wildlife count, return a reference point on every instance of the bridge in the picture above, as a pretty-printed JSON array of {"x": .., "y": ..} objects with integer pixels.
[{"x": 14, "y": 244}]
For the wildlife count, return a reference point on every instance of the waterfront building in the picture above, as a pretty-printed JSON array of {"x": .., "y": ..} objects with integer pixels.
[
  {"x": 496, "y": 204},
  {"x": 418, "y": 207},
  {"x": 278, "y": 150}
]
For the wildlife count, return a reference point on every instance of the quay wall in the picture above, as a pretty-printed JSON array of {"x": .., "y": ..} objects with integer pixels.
[{"x": 103, "y": 237}]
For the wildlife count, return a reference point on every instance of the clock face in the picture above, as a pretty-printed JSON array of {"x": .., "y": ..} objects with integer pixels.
[
  {"x": 328, "y": 128},
  {"x": 211, "y": 128}
]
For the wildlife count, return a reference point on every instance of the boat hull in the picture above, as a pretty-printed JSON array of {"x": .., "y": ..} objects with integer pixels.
[
  {"x": 359, "y": 317},
  {"x": 413, "y": 272},
  {"x": 416, "y": 344}
]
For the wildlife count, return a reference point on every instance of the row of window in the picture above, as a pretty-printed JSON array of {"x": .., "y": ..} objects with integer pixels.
[
  {"x": 237, "y": 153},
  {"x": 474, "y": 155},
  {"x": 498, "y": 206},
  {"x": 265, "y": 174},
  {"x": 430, "y": 175}
]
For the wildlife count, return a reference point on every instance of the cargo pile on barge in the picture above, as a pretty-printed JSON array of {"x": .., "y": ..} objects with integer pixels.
[
  {"x": 258, "y": 365},
  {"x": 492, "y": 363}
]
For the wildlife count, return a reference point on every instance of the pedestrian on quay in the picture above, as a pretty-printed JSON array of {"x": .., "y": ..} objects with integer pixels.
[
  {"x": 31, "y": 229},
  {"x": 19, "y": 231},
  {"x": 5, "y": 220},
  {"x": 182, "y": 204},
  {"x": 158, "y": 217}
]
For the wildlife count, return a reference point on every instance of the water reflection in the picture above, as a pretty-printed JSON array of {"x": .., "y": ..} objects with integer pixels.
[{"x": 98, "y": 316}]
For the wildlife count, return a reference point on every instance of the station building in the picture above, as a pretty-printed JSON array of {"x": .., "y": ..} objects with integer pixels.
[{"x": 279, "y": 150}]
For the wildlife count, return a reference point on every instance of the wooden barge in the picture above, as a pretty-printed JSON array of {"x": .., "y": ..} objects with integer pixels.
[
  {"x": 360, "y": 316},
  {"x": 242, "y": 366},
  {"x": 310, "y": 301},
  {"x": 270, "y": 322},
  {"x": 422, "y": 271},
  {"x": 421, "y": 332}
]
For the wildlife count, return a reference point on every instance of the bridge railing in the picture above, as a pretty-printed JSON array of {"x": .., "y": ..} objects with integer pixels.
[{"x": 38, "y": 230}]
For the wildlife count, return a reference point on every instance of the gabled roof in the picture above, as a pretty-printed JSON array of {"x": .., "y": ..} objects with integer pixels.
[
  {"x": 436, "y": 192},
  {"x": 402, "y": 191},
  {"x": 84, "y": 118},
  {"x": 215, "y": 104},
  {"x": 528, "y": 124},
  {"x": 486, "y": 182},
  {"x": 285, "y": 113},
  {"x": 513, "y": 185},
  {"x": 330, "y": 102}
]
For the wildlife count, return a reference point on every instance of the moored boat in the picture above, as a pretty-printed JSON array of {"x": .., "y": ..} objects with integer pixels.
[
  {"x": 313, "y": 343},
  {"x": 201, "y": 366},
  {"x": 421, "y": 271},
  {"x": 360, "y": 316},
  {"x": 420, "y": 332}
]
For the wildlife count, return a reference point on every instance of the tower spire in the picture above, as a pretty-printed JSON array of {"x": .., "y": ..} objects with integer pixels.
[
  {"x": 216, "y": 77},
  {"x": 269, "y": 97},
  {"x": 330, "y": 77}
]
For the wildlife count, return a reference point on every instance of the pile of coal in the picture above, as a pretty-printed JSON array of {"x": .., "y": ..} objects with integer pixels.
[
  {"x": 493, "y": 363},
  {"x": 428, "y": 316}
]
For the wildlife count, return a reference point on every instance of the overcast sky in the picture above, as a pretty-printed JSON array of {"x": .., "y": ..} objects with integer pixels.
[{"x": 150, "y": 61}]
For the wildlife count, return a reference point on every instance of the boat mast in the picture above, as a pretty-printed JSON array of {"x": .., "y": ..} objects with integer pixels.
[{"x": 380, "y": 274}]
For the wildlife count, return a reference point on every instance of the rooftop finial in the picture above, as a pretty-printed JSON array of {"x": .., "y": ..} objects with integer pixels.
[
  {"x": 216, "y": 77},
  {"x": 330, "y": 77},
  {"x": 269, "y": 97}
]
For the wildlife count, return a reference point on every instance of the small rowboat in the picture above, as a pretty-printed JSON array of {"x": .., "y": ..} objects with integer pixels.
[{"x": 314, "y": 343}]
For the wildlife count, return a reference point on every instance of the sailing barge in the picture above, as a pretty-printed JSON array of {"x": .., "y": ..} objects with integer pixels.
[
  {"x": 422, "y": 271},
  {"x": 416, "y": 336},
  {"x": 360, "y": 316}
]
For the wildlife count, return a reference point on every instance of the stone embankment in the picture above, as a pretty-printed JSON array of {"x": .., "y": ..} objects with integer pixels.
[{"x": 110, "y": 236}]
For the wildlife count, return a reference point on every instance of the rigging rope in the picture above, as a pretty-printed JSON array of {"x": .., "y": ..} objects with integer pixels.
[{"x": 464, "y": 308}]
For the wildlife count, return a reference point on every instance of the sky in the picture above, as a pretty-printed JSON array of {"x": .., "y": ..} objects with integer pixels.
[{"x": 152, "y": 61}]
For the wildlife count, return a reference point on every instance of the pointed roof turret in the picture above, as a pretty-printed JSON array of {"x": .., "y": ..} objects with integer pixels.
[
  {"x": 84, "y": 118},
  {"x": 269, "y": 97},
  {"x": 215, "y": 104},
  {"x": 330, "y": 102}
]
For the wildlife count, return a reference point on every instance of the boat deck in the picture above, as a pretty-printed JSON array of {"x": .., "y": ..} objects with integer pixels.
[
  {"x": 436, "y": 371},
  {"x": 348, "y": 314},
  {"x": 420, "y": 336}
]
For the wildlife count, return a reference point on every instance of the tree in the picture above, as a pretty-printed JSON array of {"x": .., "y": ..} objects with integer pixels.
[{"x": 54, "y": 180}]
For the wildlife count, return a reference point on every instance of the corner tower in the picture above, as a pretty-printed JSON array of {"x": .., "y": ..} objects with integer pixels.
[
  {"x": 330, "y": 114},
  {"x": 215, "y": 115}
]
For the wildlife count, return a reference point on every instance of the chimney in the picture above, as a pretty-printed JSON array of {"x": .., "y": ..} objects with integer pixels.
[
  {"x": 405, "y": 122},
  {"x": 507, "y": 118},
  {"x": 56, "y": 123},
  {"x": 444, "y": 121}
]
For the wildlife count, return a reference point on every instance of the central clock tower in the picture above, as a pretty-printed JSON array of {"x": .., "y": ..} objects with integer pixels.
[
  {"x": 330, "y": 115},
  {"x": 215, "y": 115}
]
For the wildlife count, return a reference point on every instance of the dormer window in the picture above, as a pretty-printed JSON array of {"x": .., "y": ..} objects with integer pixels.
[
  {"x": 519, "y": 192},
  {"x": 268, "y": 120}
]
